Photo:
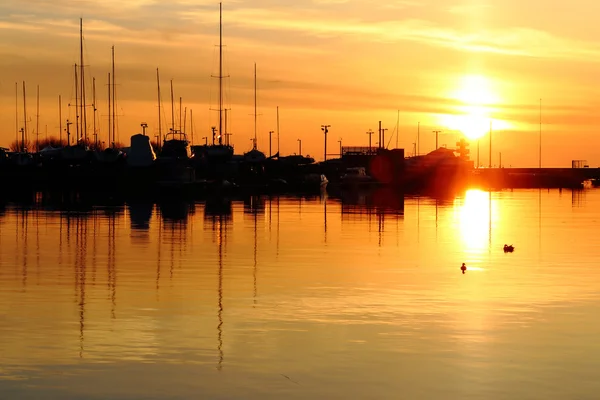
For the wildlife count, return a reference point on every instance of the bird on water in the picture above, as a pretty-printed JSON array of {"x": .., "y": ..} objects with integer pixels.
[{"x": 509, "y": 248}]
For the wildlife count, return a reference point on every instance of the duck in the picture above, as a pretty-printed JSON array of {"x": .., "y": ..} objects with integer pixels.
[
  {"x": 509, "y": 248},
  {"x": 463, "y": 268}
]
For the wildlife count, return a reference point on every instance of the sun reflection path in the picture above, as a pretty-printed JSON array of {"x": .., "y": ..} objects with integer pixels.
[{"x": 474, "y": 219}]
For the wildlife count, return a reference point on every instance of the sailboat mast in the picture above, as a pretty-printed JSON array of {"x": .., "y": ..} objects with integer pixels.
[
  {"x": 159, "y": 116},
  {"x": 278, "y": 154},
  {"x": 83, "y": 105},
  {"x": 114, "y": 94},
  {"x": 94, "y": 111},
  {"x": 397, "y": 128},
  {"x": 220, "y": 73},
  {"x": 109, "y": 113},
  {"x": 25, "y": 118},
  {"x": 180, "y": 111},
  {"x": 225, "y": 123},
  {"x": 172, "y": 109},
  {"x": 17, "y": 113},
  {"x": 192, "y": 125},
  {"x": 76, "y": 106},
  {"x": 37, "y": 120},
  {"x": 255, "y": 115},
  {"x": 59, "y": 120}
]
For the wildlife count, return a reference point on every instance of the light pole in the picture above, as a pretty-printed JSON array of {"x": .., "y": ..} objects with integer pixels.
[
  {"x": 370, "y": 133},
  {"x": 325, "y": 129},
  {"x": 340, "y": 142},
  {"x": 300, "y": 147},
  {"x": 270, "y": 134}
]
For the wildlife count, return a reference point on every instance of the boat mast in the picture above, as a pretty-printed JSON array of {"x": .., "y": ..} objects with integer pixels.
[
  {"x": 397, "y": 128},
  {"x": 109, "y": 113},
  {"x": 17, "y": 113},
  {"x": 25, "y": 119},
  {"x": 220, "y": 73},
  {"x": 59, "y": 120},
  {"x": 114, "y": 94},
  {"x": 180, "y": 111},
  {"x": 172, "y": 109},
  {"x": 83, "y": 105},
  {"x": 76, "y": 106},
  {"x": 159, "y": 117},
  {"x": 94, "y": 111},
  {"x": 278, "y": 132},
  {"x": 255, "y": 115},
  {"x": 37, "y": 120},
  {"x": 192, "y": 125}
]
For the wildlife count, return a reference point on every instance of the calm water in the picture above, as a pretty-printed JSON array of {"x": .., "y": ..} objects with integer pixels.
[{"x": 289, "y": 298}]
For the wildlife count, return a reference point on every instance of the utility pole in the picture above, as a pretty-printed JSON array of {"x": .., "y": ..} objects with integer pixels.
[
  {"x": 437, "y": 132},
  {"x": 325, "y": 129},
  {"x": 270, "y": 152}
]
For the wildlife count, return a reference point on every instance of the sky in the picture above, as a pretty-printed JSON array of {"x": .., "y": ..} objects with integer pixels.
[{"x": 415, "y": 65}]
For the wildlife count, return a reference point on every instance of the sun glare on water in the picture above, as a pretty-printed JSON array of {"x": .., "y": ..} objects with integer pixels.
[{"x": 473, "y": 116}]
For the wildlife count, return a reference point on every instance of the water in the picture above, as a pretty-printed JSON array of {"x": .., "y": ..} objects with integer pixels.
[{"x": 302, "y": 298}]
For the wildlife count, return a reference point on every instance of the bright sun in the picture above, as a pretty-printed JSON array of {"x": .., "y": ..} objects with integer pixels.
[{"x": 473, "y": 118}]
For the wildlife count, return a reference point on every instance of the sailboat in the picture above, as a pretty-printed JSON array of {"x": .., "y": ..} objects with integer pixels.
[
  {"x": 254, "y": 155},
  {"x": 111, "y": 154},
  {"x": 78, "y": 153},
  {"x": 216, "y": 152},
  {"x": 176, "y": 146}
]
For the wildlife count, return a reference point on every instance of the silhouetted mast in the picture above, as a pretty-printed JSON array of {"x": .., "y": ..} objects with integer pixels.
[
  {"x": 255, "y": 115},
  {"x": 24, "y": 135},
  {"x": 76, "y": 105},
  {"x": 221, "y": 73},
  {"x": 109, "y": 112},
  {"x": 172, "y": 109},
  {"x": 94, "y": 111},
  {"x": 278, "y": 132},
  {"x": 37, "y": 120},
  {"x": 59, "y": 120},
  {"x": 114, "y": 94},
  {"x": 82, "y": 77},
  {"x": 17, "y": 113},
  {"x": 159, "y": 116}
]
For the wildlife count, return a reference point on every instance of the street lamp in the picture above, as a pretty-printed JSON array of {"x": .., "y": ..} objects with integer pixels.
[
  {"x": 325, "y": 129},
  {"x": 300, "y": 147}
]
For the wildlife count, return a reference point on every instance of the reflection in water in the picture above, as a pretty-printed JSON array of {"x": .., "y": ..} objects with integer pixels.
[
  {"x": 474, "y": 217},
  {"x": 358, "y": 306},
  {"x": 140, "y": 215}
]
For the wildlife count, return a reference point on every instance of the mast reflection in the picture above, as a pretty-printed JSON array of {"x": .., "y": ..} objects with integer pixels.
[{"x": 218, "y": 211}]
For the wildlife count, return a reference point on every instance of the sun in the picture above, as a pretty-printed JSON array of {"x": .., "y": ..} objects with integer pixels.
[{"x": 476, "y": 95}]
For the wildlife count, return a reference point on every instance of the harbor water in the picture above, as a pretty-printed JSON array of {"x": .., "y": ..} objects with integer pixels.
[{"x": 320, "y": 297}]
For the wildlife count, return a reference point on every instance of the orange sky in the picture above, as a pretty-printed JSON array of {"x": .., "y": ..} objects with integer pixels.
[{"x": 449, "y": 65}]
